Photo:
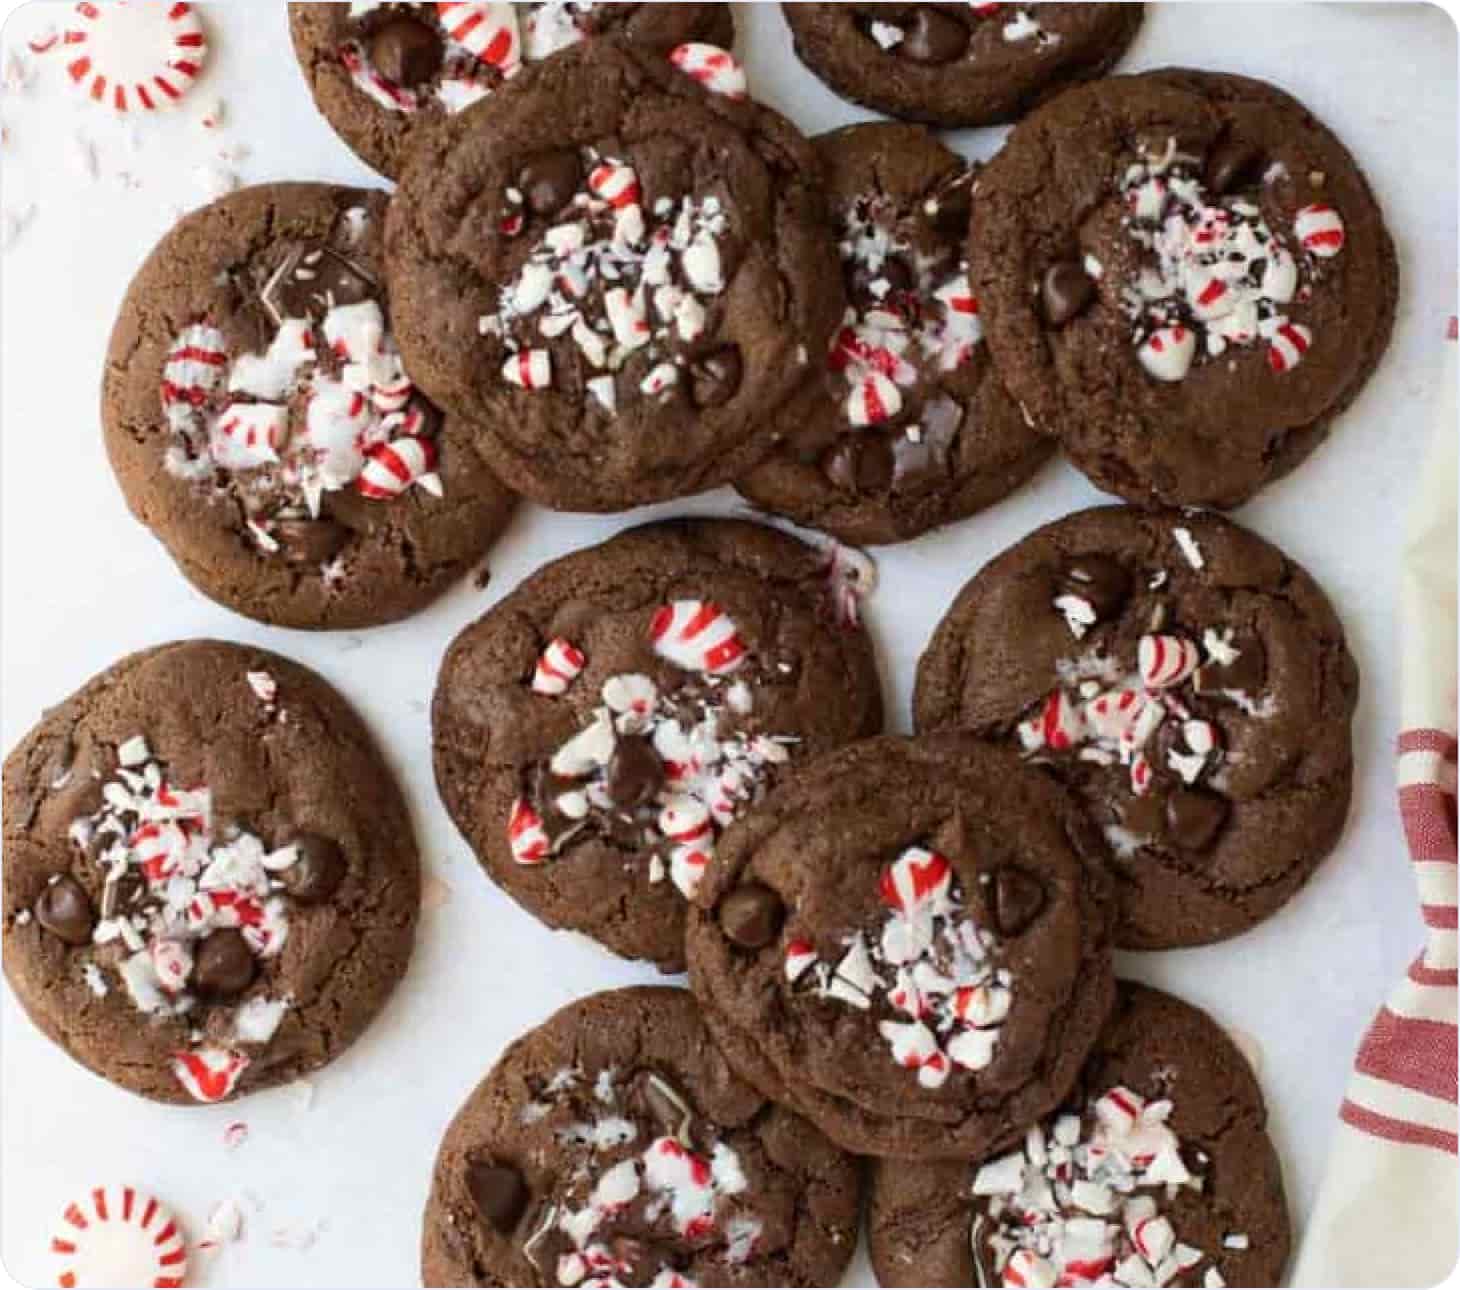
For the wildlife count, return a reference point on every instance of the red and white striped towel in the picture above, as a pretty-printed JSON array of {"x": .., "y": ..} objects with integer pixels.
[{"x": 1386, "y": 1213}]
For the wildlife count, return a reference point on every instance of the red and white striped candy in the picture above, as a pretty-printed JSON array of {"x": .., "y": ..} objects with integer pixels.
[
  {"x": 627, "y": 316},
  {"x": 800, "y": 956},
  {"x": 140, "y": 56},
  {"x": 981, "y": 1006},
  {"x": 1114, "y": 714},
  {"x": 391, "y": 468},
  {"x": 615, "y": 183},
  {"x": 985, "y": 10},
  {"x": 531, "y": 369},
  {"x": 1153, "y": 1237},
  {"x": 686, "y": 820},
  {"x": 1141, "y": 775},
  {"x": 914, "y": 1047},
  {"x": 1167, "y": 353},
  {"x": 1211, "y": 297},
  {"x": 248, "y": 435},
  {"x": 1118, "y": 1109},
  {"x": 158, "y": 849},
  {"x": 1026, "y": 1268},
  {"x": 916, "y": 879},
  {"x": 1320, "y": 230},
  {"x": 1058, "y": 726},
  {"x": 560, "y": 665},
  {"x": 195, "y": 367},
  {"x": 1165, "y": 661},
  {"x": 687, "y": 868},
  {"x": 119, "y": 1236},
  {"x": 713, "y": 67},
  {"x": 209, "y": 1074},
  {"x": 488, "y": 31},
  {"x": 172, "y": 962},
  {"x": 1287, "y": 347},
  {"x": 698, "y": 636},
  {"x": 873, "y": 400},
  {"x": 526, "y": 835}
]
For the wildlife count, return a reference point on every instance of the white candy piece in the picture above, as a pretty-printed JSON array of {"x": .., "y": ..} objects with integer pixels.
[
  {"x": 1320, "y": 230},
  {"x": 1167, "y": 353},
  {"x": 532, "y": 369},
  {"x": 714, "y": 68},
  {"x": 1165, "y": 661}
]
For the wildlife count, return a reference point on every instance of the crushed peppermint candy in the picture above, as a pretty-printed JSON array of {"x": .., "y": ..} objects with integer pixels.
[
  {"x": 1217, "y": 275},
  {"x": 1085, "y": 1202},
  {"x": 665, "y": 767},
  {"x": 929, "y": 971}
]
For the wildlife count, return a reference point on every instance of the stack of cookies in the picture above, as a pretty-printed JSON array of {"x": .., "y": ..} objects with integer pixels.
[{"x": 608, "y": 277}]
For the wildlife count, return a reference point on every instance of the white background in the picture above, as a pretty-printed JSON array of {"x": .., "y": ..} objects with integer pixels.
[{"x": 84, "y": 584}]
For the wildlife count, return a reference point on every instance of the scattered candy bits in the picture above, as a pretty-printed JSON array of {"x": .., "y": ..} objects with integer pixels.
[
  {"x": 713, "y": 67},
  {"x": 118, "y": 1236},
  {"x": 137, "y": 56}
]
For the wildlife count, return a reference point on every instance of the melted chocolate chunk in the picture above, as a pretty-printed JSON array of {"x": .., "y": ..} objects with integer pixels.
[
  {"x": 751, "y": 916},
  {"x": 406, "y": 51},
  {"x": 314, "y": 877},
  {"x": 927, "y": 459},
  {"x": 310, "y": 541},
  {"x": 635, "y": 772},
  {"x": 1145, "y": 817},
  {"x": 1232, "y": 164},
  {"x": 932, "y": 38},
  {"x": 499, "y": 1194},
  {"x": 550, "y": 181},
  {"x": 1194, "y": 818},
  {"x": 64, "y": 909},
  {"x": 1101, "y": 582},
  {"x": 1018, "y": 899},
  {"x": 860, "y": 463},
  {"x": 715, "y": 378},
  {"x": 1065, "y": 292},
  {"x": 1245, "y": 675},
  {"x": 312, "y": 280},
  {"x": 953, "y": 207},
  {"x": 223, "y": 965}
]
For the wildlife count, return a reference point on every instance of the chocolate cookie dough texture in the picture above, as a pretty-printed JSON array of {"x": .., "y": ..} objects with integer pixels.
[
  {"x": 1157, "y": 1171},
  {"x": 613, "y": 1146},
  {"x": 1188, "y": 681},
  {"x": 958, "y": 64},
  {"x": 906, "y": 425},
  {"x": 261, "y": 422},
  {"x": 1185, "y": 278},
  {"x": 384, "y": 74},
  {"x": 619, "y": 296},
  {"x": 210, "y": 882},
  {"x": 907, "y": 944},
  {"x": 598, "y": 730}
]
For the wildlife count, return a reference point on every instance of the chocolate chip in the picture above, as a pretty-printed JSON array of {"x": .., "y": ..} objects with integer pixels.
[
  {"x": 550, "y": 181},
  {"x": 932, "y": 38},
  {"x": 860, "y": 463},
  {"x": 715, "y": 378},
  {"x": 223, "y": 964},
  {"x": 751, "y": 915},
  {"x": 64, "y": 910},
  {"x": 1065, "y": 292},
  {"x": 953, "y": 207},
  {"x": 635, "y": 772},
  {"x": 319, "y": 870},
  {"x": 1018, "y": 900},
  {"x": 1100, "y": 581},
  {"x": 1194, "y": 818},
  {"x": 406, "y": 51},
  {"x": 310, "y": 542},
  {"x": 1231, "y": 164},
  {"x": 312, "y": 280},
  {"x": 1246, "y": 674},
  {"x": 499, "y": 1194},
  {"x": 926, "y": 459}
]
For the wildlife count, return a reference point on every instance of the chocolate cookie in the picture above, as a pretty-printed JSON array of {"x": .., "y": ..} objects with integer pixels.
[
  {"x": 909, "y": 427},
  {"x": 599, "y": 727},
  {"x": 384, "y": 74},
  {"x": 614, "y": 1146},
  {"x": 908, "y": 944},
  {"x": 1157, "y": 1172},
  {"x": 1185, "y": 277},
  {"x": 261, "y": 424},
  {"x": 958, "y": 64},
  {"x": 210, "y": 881},
  {"x": 1188, "y": 681},
  {"x": 620, "y": 296}
]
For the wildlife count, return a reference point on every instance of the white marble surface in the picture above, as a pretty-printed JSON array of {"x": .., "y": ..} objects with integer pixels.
[{"x": 83, "y": 584}]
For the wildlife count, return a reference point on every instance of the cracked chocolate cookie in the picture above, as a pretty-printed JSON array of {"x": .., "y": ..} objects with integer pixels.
[
  {"x": 1185, "y": 278},
  {"x": 907, "y": 943},
  {"x": 614, "y": 1146},
  {"x": 210, "y": 881},
  {"x": 1158, "y": 1171},
  {"x": 908, "y": 426},
  {"x": 617, "y": 274},
  {"x": 597, "y": 730},
  {"x": 1191, "y": 685},
  {"x": 261, "y": 424},
  {"x": 958, "y": 64},
  {"x": 383, "y": 74}
]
